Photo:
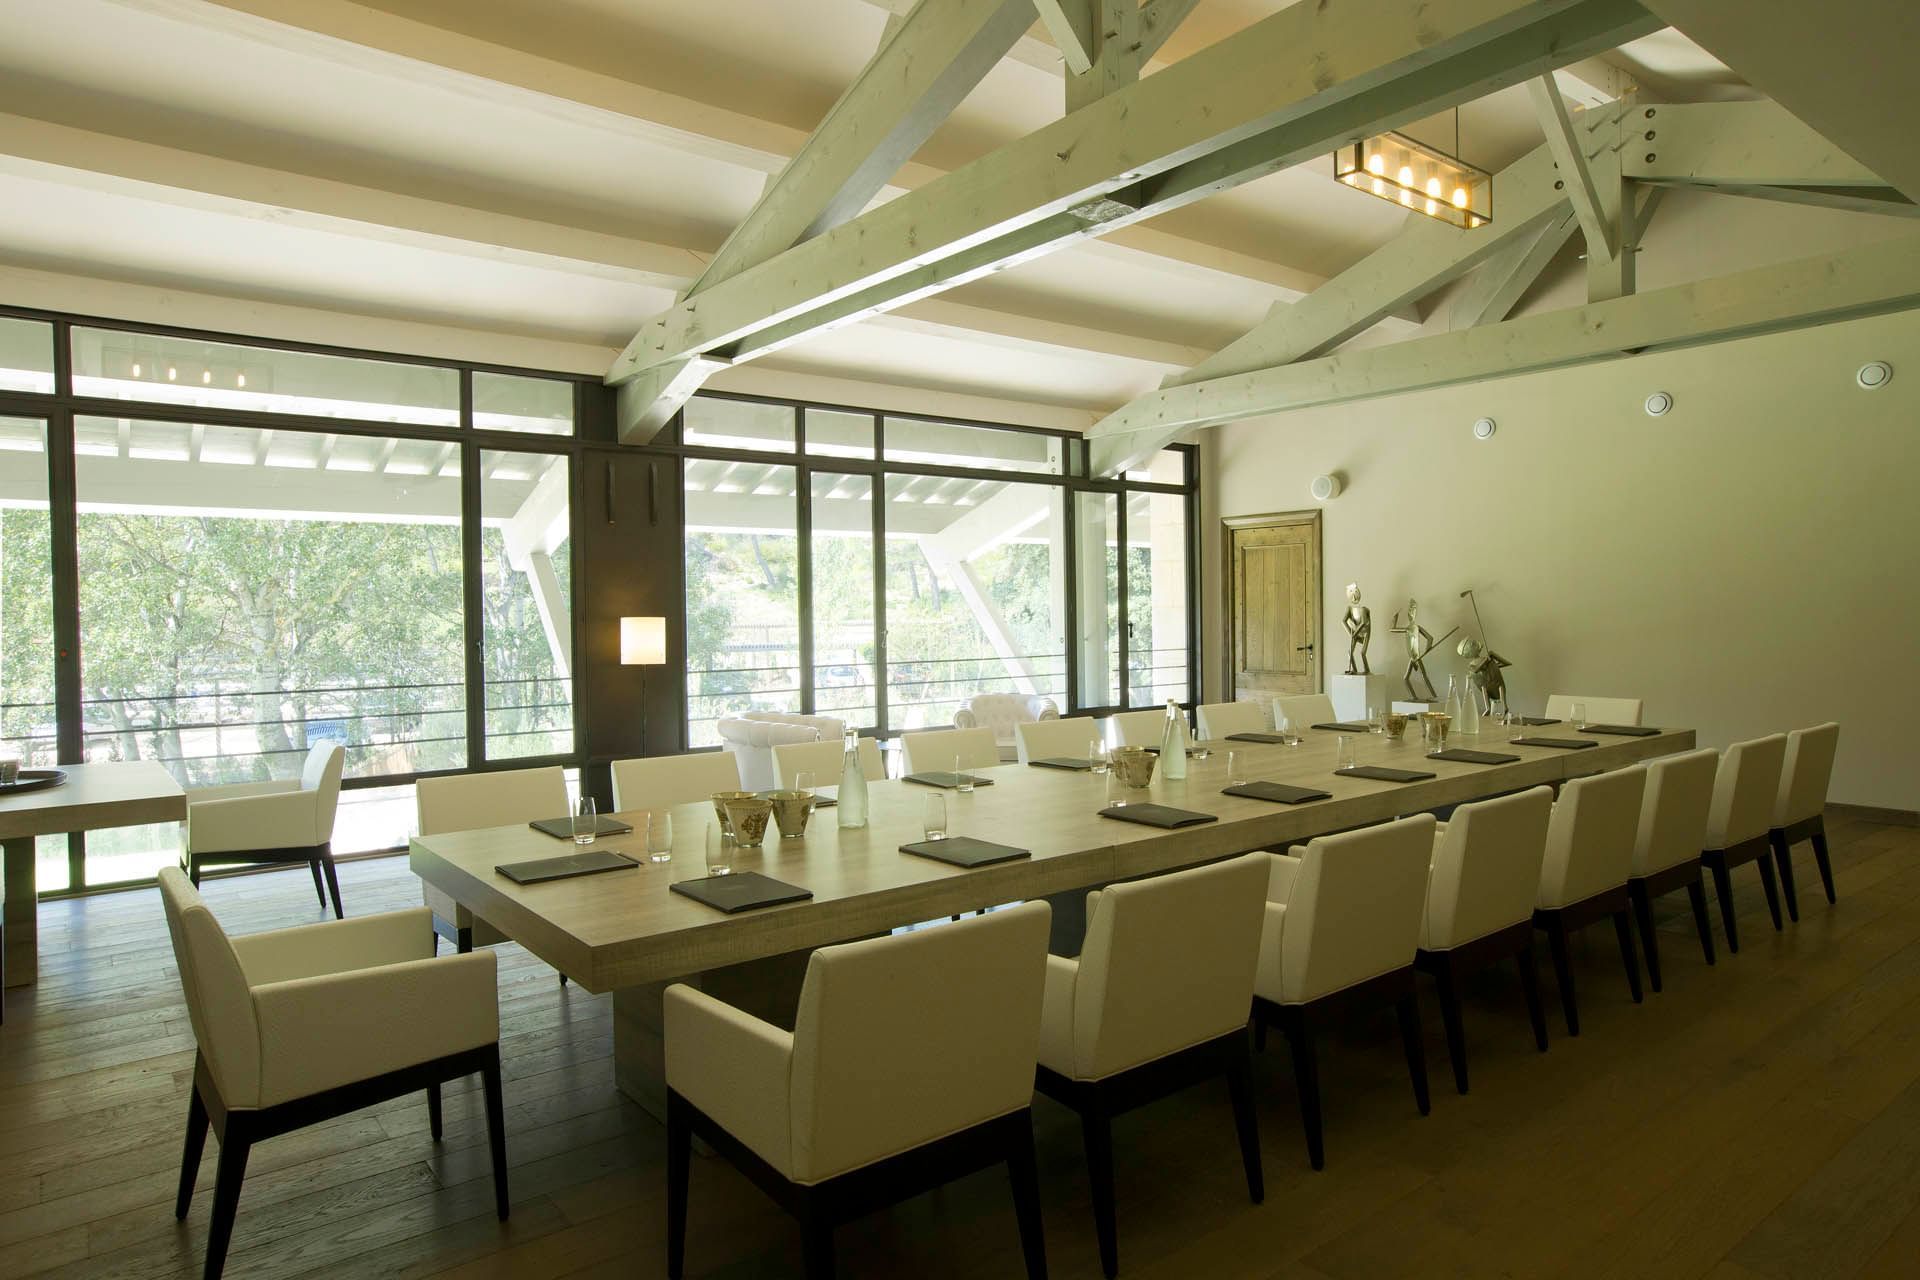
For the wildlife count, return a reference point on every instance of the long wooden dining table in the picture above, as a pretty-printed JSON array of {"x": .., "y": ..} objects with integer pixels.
[{"x": 625, "y": 932}]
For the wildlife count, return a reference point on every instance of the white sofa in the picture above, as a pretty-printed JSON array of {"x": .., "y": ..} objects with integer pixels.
[
  {"x": 753, "y": 736},
  {"x": 1000, "y": 712}
]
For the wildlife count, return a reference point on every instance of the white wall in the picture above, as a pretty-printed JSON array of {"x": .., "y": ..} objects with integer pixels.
[{"x": 1746, "y": 563}]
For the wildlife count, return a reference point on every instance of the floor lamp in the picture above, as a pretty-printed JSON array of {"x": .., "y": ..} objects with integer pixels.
[{"x": 643, "y": 644}]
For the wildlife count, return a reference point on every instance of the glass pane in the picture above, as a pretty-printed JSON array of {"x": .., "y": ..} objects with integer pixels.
[
  {"x": 526, "y": 593},
  {"x": 737, "y": 424},
  {"x": 26, "y": 355},
  {"x": 833, "y": 434},
  {"x": 1169, "y": 466},
  {"x": 27, "y": 727},
  {"x": 145, "y": 366},
  {"x": 950, "y": 444},
  {"x": 976, "y": 582},
  {"x": 1097, "y": 547},
  {"x": 245, "y": 593},
  {"x": 504, "y": 402},
  {"x": 844, "y": 681},
  {"x": 743, "y": 593},
  {"x": 1156, "y": 598}
]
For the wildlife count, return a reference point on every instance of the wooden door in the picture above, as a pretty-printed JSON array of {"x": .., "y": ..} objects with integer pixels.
[{"x": 1273, "y": 604}]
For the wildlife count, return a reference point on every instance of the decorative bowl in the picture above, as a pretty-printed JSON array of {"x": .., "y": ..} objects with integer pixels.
[
  {"x": 748, "y": 819},
  {"x": 720, "y": 799},
  {"x": 1396, "y": 725},
  {"x": 1134, "y": 765},
  {"x": 791, "y": 809}
]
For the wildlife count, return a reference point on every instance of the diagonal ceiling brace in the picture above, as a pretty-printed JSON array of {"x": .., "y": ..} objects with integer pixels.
[{"x": 1568, "y": 142}]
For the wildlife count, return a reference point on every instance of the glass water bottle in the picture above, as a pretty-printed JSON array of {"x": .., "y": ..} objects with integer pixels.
[
  {"x": 1173, "y": 744},
  {"x": 852, "y": 807}
]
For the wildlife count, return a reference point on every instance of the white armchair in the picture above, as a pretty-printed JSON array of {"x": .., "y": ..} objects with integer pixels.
[
  {"x": 753, "y": 736},
  {"x": 1000, "y": 712},
  {"x": 1583, "y": 875},
  {"x": 1800, "y": 812},
  {"x": 301, "y": 1025},
  {"x": 911, "y": 1063},
  {"x": 1666, "y": 850},
  {"x": 1746, "y": 792},
  {"x": 284, "y": 821}
]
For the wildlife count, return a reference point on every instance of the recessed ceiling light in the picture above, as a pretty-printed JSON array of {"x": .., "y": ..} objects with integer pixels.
[
  {"x": 1874, "y": 374},
  {"x": 1658, "y": 403}
]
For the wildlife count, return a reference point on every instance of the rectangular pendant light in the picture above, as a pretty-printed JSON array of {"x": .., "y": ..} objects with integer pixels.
[{"x": 1415, "y": 176}]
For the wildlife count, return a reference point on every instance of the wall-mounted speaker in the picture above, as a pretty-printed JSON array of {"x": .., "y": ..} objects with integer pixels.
[{"x": 1325, "y": 488}]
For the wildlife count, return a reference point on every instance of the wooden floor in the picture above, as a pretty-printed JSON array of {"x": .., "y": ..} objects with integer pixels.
[{"x": 1758, "y": 1119}]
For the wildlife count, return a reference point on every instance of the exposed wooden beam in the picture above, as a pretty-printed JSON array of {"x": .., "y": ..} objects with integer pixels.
[
  {"x": 1881, "y": 200},
  {"x": 1114, "y": 47},
  {"x": 1738, "y": 144},
  {"x": 1158, "y": 20},
  {"x": 1285, "y": 89},
  {"x": 1570, "y": 146},
  {"x": 647, "y": 403},
  {"x": 1070, "y": 23},
  {"x": 1868, "y": 280},
  {"x": 1499, "y": 284}
]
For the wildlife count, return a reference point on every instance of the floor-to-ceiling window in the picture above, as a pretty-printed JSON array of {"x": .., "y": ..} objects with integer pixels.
[{"x": 28, "y": 717}]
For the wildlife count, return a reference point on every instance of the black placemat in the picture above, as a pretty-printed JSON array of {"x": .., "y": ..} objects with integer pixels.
[
  {"x": 1062, "y": 762},
  {"x": 1568, "y": 744},
  {"x": 1272, "y": 739},
  {"x": 822, "y": 797},
  {"x": 33, "y": 780},
  {"x": 1622, "y": 730},
  {"x": 946, "y": 778},
  {"x": 1346, "y": 728},
  {"x": 964, "y": 851},
  {"x": 1461, "y": 755},
  {"x": 741, "y": 891},
  {"x": 565, "y": 867},
  {"x": 1533, "y": 721},
  {"x": 1164, "y": 816},
  {"x": 1383, "y": 774},
  {"x": 1278, "y": 792},
  {"x": 562, "y": 828}
]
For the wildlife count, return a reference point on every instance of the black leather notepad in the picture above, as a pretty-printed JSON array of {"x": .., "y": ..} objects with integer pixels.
[
  {"x": 946, "y": 778},
  {"x": 565, "y": 867},
  {"x": 1621, "y": 730},
  {"x": 1534, "y": 721},
  {"x": 964, "y": 851},
  {"x": 1381, "y": 773},
  {"x": 1346, "y": 728},
  {"x": 823, "y": 797},
  {"x": 741, "y": 891},
  {"x": 562, "y": 828},
  {"x": 1569, "y": 744},
  {"x": 1272, "y": 739},
  {"x": 1460, "y": 755},
  {"x": 1075, "y": 763},
  {"x": 1164, "y": 816},
  {"x": 1278, "y": 792}
]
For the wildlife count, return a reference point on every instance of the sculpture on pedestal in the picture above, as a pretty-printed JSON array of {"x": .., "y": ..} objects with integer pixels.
[
  {"x": 1484, "y": 666},
  {"x": 1420, "y": 643},
  {"x": 1359, "y": 624}
]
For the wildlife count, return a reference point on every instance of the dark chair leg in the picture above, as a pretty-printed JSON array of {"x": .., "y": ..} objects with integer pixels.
[
  {"x": 1772, "y": 889},
  {"x": 1697, "y": 898},
  {"x": 816, "y": 1245},
  {"x": 563, "y": 979},
  {"x": 1408, "y": 1007},
  {"x": 434, "y": 1126},
  {"x": 1783, "y": 863},
  {"x": 1820, "y": 857},
  {"x": 1563, "y": 975},
  {"x": 1450, "y": 1019},
  {"x": 1723, "y": 890},
  {"x": 1096, "y": 1129},
  {"x": 1623, "y": 930},
  {"x": 1306, "y": 1079},
  {"x": 190, "y": 1157},
  {"x": 1025, "y": 1176},
  {"x": 319, "y": 886},
  {"x": 496, "y": 1130},
  {"x": 234, "y": 1145},
  {"x": 1245, "y": 1123},
  {"x": 1530, "y": 992},
  {"x": 1643, "y": 917},
  {"x": 679, "y": 1168},
  {"x": 333, "y": 886}
]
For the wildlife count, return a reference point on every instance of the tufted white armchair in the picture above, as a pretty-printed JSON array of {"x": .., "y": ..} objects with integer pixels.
[
  {"x": 753, "y": 736},
  {"x": 1000, "y": 712}
]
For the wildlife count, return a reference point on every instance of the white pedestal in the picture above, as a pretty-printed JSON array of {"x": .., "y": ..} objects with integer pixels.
[
  {"x": 1352, "y": 695},
  {"x": 1415, "y": 708}
]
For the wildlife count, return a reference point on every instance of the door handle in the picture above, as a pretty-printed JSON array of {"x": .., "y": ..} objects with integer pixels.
[{"x": 1305, "y": 648}]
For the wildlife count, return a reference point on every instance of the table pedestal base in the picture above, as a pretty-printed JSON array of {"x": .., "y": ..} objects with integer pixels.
[{"x": 22, "y": 926}]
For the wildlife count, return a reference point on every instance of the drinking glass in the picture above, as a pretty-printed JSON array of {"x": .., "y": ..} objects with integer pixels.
[
  {"x": 1097, "y": 756},
  {"x": 963, "y": 780},
  {"x": 1117, "y": 792},
  {"x": 1289, "y": 732},
  {"x": 1577, "y": 718},
  {"x": 659, "y": 837},
  {"x": 936, "y": 825},
  {"x": 585, "y": 826},
  {"x": 805, "y": 781},
  {"x": 9, "y": 768},
  {"x": 1376, "y": 719},
  {"x": 1344, "y": 754},
  {"x": 1237, "y": 768},
  {"x": 719, "y": 850}
]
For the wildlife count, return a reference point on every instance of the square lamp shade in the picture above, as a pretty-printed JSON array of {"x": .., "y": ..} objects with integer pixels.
[
  {"x": 643, "y": 642},
  {"x": 1415, "y": 176}
]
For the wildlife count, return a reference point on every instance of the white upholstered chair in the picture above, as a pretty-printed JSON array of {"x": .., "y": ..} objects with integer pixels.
[
  {"x": 1480, "y": 897},
  {"x": 1156, "y": 1001},
  {"x": 1584, "y": 875},
  {"x": 1042, "y": 739},
  {"x": 1666, "y": 850},
  {"x": 474, "y": 802},
  {"x": 1302, "y": 711},
  {"x": 1136, "y": 728},
  {"x": 753, "y": 736},
  {"x": 1599, "y": 710},
  {"x": 910, "y": 1063},
  {"x": 936, "y": 750},
  {"x": 661, "y": 782},
  {"x": 1216, "y": 720},
  {"x": 1798, "y": 813},
  {"x": 1342, "y": 927},
  {"x": 300, "y": 1025},
  {"x": 824, "y": 760},
  {"x": 1002, "y": 712},
  {"x": 1746, "y": 791},
  {"x": 285, "y": 821}
]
